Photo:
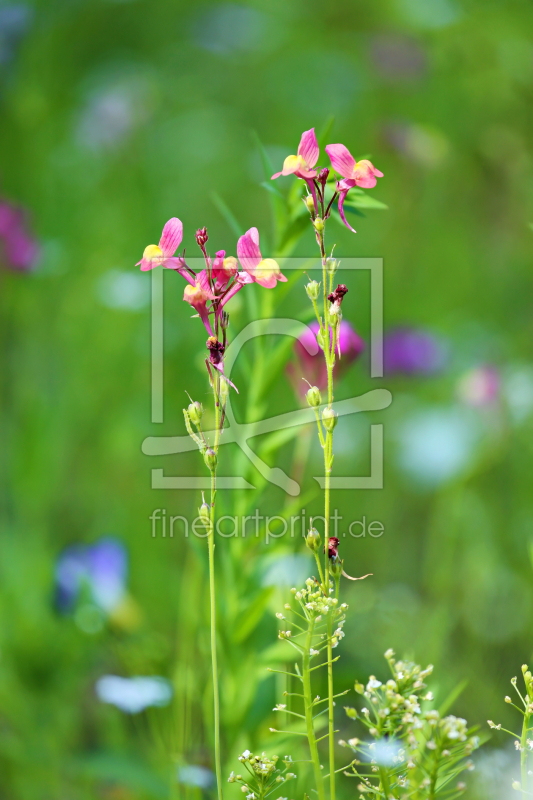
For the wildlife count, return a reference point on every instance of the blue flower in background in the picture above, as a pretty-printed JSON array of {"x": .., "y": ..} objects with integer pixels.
[{"x": 100, "y": 569}]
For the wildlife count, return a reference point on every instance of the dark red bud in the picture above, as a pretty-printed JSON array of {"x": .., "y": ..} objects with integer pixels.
[
  {"x": 216, "y": 350},
  {"x": 323, "y": 176},
  {"x": 201, "y": 237},
  {"x": 338, "y": 294},
  {"x": 333, "y": 544}
]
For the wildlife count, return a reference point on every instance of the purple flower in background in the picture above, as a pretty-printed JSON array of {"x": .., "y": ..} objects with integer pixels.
[
  {"x": 18, "y": 248},
  {"x": 408, "y": 351},
  {"x": 310, "y": 359},
  {"x": 100, "y": 568}
]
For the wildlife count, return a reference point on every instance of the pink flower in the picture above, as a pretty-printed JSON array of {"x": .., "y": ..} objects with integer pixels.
[
  {"x": 264, "y": 271},
  {"x": 310, "y": 362},
  {"x": 161, "y": 254},
  {"x": 362, "y": 173},
  {"x": 198, "y": 294},
  {"x": 224, "y": 269},
  {"x": 302, "y": 164},
  {"x": 355, "y": 173}
]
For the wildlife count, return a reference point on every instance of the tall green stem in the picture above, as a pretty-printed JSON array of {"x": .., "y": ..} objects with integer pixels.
[
  {"x": 524, "y": 778},
  {"x": 329, "y": 355},
  {"x": 212, "y": 596},
  {"x": 308, "y": 704}
]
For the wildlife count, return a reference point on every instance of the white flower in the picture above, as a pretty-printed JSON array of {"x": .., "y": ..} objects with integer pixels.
[
  {"x": 280, "y": 707},
  {"x": 280, "y": 616},
  {"x": 373, "y": 684},
  {"x": 133, "y": 695},
  {"x": 313, "y": 652}
]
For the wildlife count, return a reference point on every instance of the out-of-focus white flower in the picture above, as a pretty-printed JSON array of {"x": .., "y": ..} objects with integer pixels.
[
  {"x": 194, "y": 775},
  {"x": 133, "y": 695}
]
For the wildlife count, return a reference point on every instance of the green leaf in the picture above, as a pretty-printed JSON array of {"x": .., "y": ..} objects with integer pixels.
[
  {"x": 252, "y": 616},
  {"x": 362, "y": 200},
  {"x": 277, "y": 201},
  {"x": 228, "y": 215},
  {"x": 325, "y": 132}
]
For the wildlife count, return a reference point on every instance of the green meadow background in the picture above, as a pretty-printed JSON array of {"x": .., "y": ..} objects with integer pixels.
[{"x": 114, "y": 117}]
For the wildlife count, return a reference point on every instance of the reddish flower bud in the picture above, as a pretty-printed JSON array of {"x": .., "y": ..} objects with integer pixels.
[
  {"x": 216, "y": 350},
  {"x": 333, "y": 544},
  {"x": 201, "y": 237},
  {"x": 323, "y": 176}
]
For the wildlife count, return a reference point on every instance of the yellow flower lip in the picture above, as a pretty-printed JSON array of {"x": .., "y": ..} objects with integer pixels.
[{"x": 152, "y": 251}]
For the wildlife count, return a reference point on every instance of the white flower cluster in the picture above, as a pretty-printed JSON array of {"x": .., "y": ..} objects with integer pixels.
[
  {"x": 317, "y": 608},
  {"x": 264, "y": 773},
  {"x": 413, "y": 742}
]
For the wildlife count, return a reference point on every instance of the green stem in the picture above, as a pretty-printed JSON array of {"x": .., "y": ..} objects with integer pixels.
[
  {"x": 308, "y": 705},
  {"x": 212, "y": 598},
  {"x": 329, "y": 355},
  {"x": 331, "y": 720},
  {"x": 524, "y": 754}
]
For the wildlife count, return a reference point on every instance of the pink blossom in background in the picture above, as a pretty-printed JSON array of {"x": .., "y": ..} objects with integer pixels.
[
  {"x": 265, "y": 272},
  {"x": 309, "y": 363},
  {"x": 19, "y": 249},
  {"x": 480, "y": 387}
]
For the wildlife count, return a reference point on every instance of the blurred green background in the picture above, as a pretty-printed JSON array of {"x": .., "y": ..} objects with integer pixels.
[{"x": 116, "y": 116}]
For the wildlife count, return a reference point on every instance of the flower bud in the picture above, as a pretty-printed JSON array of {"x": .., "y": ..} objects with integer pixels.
[
  {"x": 320, "y": 338},
  {"x": 195, "y": 411},
  {"x": 313, "y": 290},
  {"x": 332, "y": 265},
  {"x": 313, "y": 540},
  {"x": 210, "y": 458},
  {"x": 319, "y": 224},
  {"x": 329, "y": 418},
  {"x": 309, "y": 202},
  {"x": 517, "y": 786},
  {"x": 201, "y": 237},
  {"x": 313, "y": 396},
  {"x": 323, "y": 176}
]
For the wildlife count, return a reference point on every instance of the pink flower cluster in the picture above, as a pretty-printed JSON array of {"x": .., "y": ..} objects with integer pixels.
[
  {"x": 209, "y": 290},
  {"x": 353, "y": 173},
  {"x": 18, "y": 248}
]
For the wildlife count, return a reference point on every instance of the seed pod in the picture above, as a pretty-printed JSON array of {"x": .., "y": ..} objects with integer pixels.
[
  {"x": 309, "y": 202},
  {"x": 319, "y": 224},
  {"x": 195, "y": 411},
  {"x": 313, "y": 396},
  {"x": 335, "y": 566},
  {"x": 313, "y": 540},
  {"x": 313, "y": 290},
  {"x": 329, "y": 418},
  {"x": 210, "y": 458},
  {"x": 204, "y": 514}
]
